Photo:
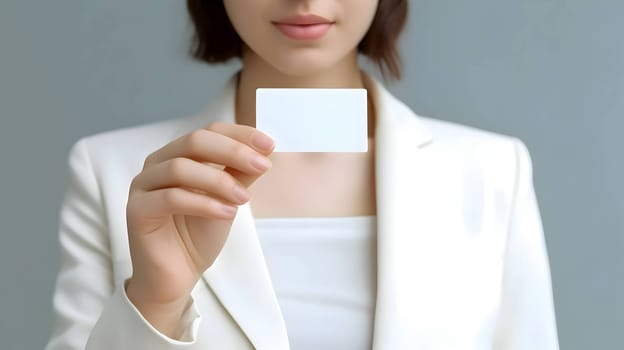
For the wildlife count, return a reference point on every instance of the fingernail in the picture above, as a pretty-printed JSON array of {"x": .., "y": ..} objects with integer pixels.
[
  {"x": 261, "y": 163},
  {"x": 229, "y": 211},
  {"x": 261, "y": 141},
  {"x": 241, "y": 194}
]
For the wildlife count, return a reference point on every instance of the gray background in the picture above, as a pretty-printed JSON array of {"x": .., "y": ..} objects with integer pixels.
[{"x": 548, "y": 71}]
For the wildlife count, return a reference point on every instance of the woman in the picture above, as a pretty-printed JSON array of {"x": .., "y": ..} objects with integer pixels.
[{"x": 173, "y": 233}]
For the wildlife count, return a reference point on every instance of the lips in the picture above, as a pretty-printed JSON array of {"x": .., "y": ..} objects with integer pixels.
[{"x": 304, "y": 27}]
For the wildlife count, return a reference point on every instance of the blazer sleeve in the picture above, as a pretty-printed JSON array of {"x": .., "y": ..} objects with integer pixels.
[
  {"x": 89, "y": 312},
  {"x": 527, "y": 315}
]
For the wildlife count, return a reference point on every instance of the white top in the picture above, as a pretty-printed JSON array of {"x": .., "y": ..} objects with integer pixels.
[{"x": 324, "y": 273}]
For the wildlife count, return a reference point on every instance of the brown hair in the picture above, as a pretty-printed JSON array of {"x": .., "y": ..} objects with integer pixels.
[{"x": 216, "y": 41}]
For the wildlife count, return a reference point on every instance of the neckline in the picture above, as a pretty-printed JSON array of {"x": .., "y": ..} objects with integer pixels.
[{"x": 316, "y": 219}]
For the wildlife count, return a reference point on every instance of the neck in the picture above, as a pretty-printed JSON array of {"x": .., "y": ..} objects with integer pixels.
[{"x": 257, "y": 73}]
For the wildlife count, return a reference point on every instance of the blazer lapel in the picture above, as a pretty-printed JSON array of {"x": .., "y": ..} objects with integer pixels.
[
  {"x": 404, "y": 175},
  {"x": 239, "y": 277}
]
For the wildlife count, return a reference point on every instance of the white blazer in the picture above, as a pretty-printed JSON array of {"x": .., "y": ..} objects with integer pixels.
[{"x": 462, "y": 262}]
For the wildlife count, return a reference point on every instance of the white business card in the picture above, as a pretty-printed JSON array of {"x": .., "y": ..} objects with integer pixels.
[{"x": 314, "y": 120}]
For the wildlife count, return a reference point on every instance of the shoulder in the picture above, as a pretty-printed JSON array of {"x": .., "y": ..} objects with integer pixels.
[
  {"x": 499, "y": 157},
  {"x": 140, "y": 137},
  {"x": 132, "y": 144},
  {"x": 446, "y": 139},
  {"x": 126, "y": 148},
  {"x": 452, "y": 134},
  {"x": 464, "y": 139}
]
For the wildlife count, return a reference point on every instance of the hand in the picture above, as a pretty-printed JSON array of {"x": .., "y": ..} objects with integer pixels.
[{"x": 180, "y": 210}]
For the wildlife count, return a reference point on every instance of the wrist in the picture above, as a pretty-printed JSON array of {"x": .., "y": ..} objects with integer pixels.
[{"x": 166, "y": 317}]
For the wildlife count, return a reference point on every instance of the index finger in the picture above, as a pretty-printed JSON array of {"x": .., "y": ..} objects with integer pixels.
[
  {"x": 245, "y": 134},
  {"x": 219, "y": 143}
]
